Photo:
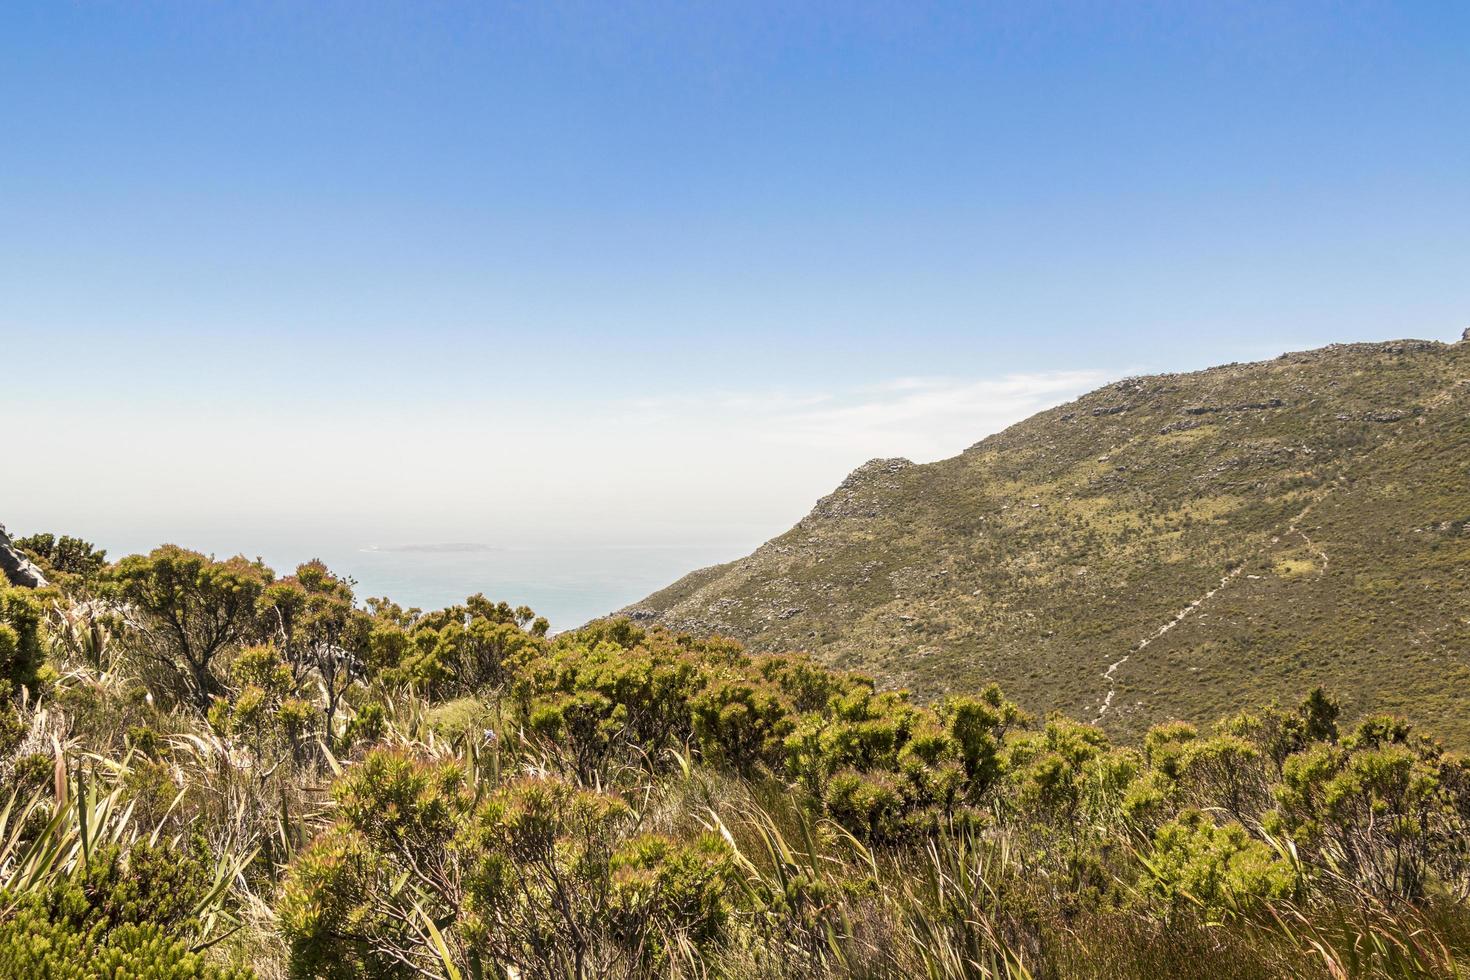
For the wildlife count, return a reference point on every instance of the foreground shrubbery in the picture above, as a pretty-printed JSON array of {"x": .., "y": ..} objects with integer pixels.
[
  {"x": 538, "y": 875},
  {"x": 352, "y": 790}
]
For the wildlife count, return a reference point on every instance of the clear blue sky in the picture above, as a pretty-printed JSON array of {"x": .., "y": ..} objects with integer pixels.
[{"x": 667, "y": 270}]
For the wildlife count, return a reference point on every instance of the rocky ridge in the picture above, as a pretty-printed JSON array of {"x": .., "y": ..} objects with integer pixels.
[{"x": 1337, "y": 481}]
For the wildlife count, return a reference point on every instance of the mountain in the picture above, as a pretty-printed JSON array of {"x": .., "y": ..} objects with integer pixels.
[{"x": 1172, "y": 546}]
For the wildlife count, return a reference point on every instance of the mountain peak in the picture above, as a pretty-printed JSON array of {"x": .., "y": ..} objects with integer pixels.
[
  {"x": 874, "y": 468},
  {"x": 1177, "y": 545}
]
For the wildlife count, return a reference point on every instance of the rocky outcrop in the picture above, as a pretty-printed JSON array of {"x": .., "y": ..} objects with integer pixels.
[
  {"x": 874, "y": 469},
  {"x": 18, "y": 569},
  {"x": 861, "y": 495},
  {"x": 1243, "y": 407}
]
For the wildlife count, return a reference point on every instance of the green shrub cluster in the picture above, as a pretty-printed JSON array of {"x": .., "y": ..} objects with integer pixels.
[
  {"x": 626, "y": 802},
  {"x": 126, "y": 912},
  {"x": 32, "y": 945},
  {"x": 1272, "y": 807},
  {"x": 20, "y": 661},
  {"x": 536, "y": 875},
  {"x": 64, "y": 556},
  {"x": 613, "y": 696},
  {"x": 20, "y": 638}
]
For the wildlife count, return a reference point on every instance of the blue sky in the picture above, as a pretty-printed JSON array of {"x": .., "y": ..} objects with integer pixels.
[{"x": 666, "y": 271}]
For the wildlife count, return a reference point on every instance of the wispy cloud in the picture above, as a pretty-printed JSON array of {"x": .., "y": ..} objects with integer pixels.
[
  {"x": 920, "y": 417},
  {"x": 935, "y": 415}
]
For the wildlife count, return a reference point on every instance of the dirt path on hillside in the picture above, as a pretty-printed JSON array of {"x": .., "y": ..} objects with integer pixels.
[
  {"x": 1110, "y": 674},
  {"x": 1179, "y": 617},
  {"x": 1311, "y": 546}
]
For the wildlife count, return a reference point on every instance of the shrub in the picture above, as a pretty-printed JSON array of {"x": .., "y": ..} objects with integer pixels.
[
  {"x": 263, "y": 713},
  {"x": 1385, "y": 804},
  {"x": 33, "y": 946},
  {"x": 20, "y": 638},
  {"x": 458, "y": 651},
  {"x": 871, "y": 805},
  {"x": 186, "y": 610},
  {"x": 64, "y": 555},
  {"x": 1220, "y": 870},
  {"x": 541, "y": 877},
  {"x": 344, "y": 910},
  {"x": 741, "y": 723},
  {"x": 319, "y": 630},
  {"x": 143, "y": 883},
  {"x": 125, "y": 912},
  {"x": 558, "y": 885}
]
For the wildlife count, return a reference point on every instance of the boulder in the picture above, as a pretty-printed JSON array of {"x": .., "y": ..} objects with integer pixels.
[{"x": 18, "y": 569}]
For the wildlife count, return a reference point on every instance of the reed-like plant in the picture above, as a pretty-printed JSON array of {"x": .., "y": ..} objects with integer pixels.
[{"x": 50, "y": 835}]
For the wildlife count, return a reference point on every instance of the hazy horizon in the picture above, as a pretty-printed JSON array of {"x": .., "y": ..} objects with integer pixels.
[{"x": 569, "y": 573}]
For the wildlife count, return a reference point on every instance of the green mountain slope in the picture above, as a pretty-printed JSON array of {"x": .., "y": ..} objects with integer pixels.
[{"x": 1175, "y": 546}]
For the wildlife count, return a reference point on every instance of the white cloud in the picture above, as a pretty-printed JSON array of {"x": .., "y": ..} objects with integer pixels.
[
  {"x": 924, "y": 418},
  {"x": 933, "y": 417}
]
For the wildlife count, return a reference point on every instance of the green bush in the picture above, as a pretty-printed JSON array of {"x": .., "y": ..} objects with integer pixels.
[
  {"x": 124, "y": 913},
  {"x": 560, "y": 884},
  {"x": 189, "y": 610},
  {"x": 541, "y": 876},
  {"x": 1219, "y": 870},
  {"x": 20, "y": 638},
  {"x": 263, "y": 712},
  {"x": 144, "y": 883},
  {"x": 31, "y": 945},
  {"x": 1386, "y": 805},
  {"x": 64, "y": 555}
]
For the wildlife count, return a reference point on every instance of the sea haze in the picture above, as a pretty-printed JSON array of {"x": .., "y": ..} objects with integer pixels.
[
  {"x": 568, "y": 578},
  {"x": 568, "y": 585}
]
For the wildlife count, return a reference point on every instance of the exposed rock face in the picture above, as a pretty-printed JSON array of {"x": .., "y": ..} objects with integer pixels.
[
  {"x": 874, "y": 469},
  {"x": 17, "y": 568},
  {"x": 862, "y": 493},
  {"x": 1248, "y": 407}
]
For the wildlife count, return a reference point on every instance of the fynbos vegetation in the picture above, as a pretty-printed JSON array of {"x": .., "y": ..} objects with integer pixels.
[
  {"x": 1175, "y": 546},
  {"x": 216, "y": 772}
]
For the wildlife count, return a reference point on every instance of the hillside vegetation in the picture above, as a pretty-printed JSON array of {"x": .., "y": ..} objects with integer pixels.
[
  {"x": 1175, "y": 546},
  {"x": 211, "y": 772}
]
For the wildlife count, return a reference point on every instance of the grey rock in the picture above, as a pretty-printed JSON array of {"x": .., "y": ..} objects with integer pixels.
[
  {"x": 1244, "y": 407},
  {"x": 18, "y": 569}
]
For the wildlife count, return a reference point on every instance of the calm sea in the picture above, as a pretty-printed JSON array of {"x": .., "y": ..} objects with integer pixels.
[{"x": 569, "y": 586}]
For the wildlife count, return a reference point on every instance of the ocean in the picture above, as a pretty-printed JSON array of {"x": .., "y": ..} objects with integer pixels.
[{"x": 568, "y": 585}]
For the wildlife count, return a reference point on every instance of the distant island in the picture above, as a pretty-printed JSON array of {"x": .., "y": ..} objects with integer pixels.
[{"x": 453, "y": 547}]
